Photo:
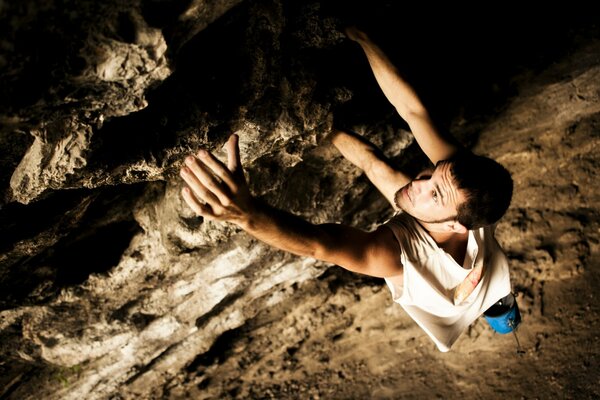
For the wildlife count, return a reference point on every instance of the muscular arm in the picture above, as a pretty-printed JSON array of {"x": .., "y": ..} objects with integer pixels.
[
  {"x": 370, "y": 253},
  {"x": 220, "y": 192},
  {"x": 406, "y": 101},
  {"x": 369, "y": 158}
]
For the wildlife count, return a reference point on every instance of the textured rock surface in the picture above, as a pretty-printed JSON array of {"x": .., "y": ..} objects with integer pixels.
[{"x": 111, "y": 288}]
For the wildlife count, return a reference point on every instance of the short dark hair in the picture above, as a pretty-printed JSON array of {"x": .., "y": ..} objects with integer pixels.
[{"x": 487, "y": 186}]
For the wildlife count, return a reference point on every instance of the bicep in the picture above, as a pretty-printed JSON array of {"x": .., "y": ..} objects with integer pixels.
[{"x": 374, "y": 253}]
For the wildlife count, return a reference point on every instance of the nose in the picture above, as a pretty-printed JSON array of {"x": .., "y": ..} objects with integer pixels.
[
  {"x": 416, "y": 188},
  {"x": 421, "y": 186}
]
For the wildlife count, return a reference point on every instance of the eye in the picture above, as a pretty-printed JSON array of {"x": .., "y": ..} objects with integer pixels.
[{"x": 435, "y": 196}]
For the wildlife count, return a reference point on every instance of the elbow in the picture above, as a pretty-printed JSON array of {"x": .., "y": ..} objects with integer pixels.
[
  {"x": 321, "y": 249},
  {"x": 410, "y": 112}
]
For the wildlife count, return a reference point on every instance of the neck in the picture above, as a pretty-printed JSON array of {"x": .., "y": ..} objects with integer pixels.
[
  {"x": 439, "y": 235},
  {"x": 443, "y": 237},
  {"x": 452, "y": 242}
]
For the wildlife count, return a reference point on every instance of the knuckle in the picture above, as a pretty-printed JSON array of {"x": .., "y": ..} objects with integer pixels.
[
  {"x": 226, "y": 202},
  {"x": 203, "y": 192},
  {"x": 211, "y": 184},
  {"x": 218, "y": 211},
  {"x": 223, "y": 171}
]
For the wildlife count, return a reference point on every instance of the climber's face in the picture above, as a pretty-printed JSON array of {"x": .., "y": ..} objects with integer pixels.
[{"x": 432, "y": 197}]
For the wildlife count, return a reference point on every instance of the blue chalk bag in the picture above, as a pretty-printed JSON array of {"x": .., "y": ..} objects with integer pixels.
[{"x": 504, "y": 315}]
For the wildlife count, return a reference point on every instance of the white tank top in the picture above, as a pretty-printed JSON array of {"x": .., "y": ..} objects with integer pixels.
[{"x": 426, "y": 289}]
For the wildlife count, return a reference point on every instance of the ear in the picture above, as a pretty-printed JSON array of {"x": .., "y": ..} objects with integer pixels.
[{"x": 455, "y": 226}]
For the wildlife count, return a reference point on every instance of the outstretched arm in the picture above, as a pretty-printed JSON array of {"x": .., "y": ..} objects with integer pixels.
[
  {"x": 219, "y": 192},
  {"x": 372, "y": 161},
  {"x": 406, "y": 101}
]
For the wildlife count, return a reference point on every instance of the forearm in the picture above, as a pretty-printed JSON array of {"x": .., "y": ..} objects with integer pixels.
[
  {"x": 354, "y": 148},
  {"x": 402, "y": 96},
  {"x": 406, "y": 101},
  {"x": 282, "y": 230},
  {"x": 372, "y": 161},
  {"x": 326, "y": 242}
]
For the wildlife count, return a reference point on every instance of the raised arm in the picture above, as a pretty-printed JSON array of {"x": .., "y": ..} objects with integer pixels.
[
  {"x": 405, "y": 100},
  {"x": 219, "y": 192},
  {"x": 371, "y": 160}
]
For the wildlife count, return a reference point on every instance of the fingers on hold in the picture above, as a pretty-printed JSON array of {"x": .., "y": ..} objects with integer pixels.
[
  {"x": 201, "y": 191},
  {"x": 233, "y": 138},
  {"x": 218, "y": 168},
  {"x": 199, "y": 208},
  {"x": 203, "y": 182},
  {"x": 214, "y": 187},
  {"x": 233, "y": 153}
]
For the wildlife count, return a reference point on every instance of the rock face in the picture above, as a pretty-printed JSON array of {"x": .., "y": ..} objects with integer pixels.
[{"x": 112, "y": 288}]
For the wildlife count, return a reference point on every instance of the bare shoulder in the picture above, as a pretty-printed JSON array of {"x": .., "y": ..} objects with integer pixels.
[{"x": 385, "y": 252}]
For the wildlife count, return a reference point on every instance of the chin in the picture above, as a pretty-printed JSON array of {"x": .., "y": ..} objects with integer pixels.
[
  {"x": 401, "y": 202},
  {"x": 398, "y": 200}
]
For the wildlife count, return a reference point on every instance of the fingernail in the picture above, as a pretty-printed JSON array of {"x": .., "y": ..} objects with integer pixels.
[
  {"x": 185, "y": 170},
  {"x": 189, "y": 160},
  {"x": 202, "y": 153}
]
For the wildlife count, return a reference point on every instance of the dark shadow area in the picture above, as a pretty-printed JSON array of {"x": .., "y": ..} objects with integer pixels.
[
  {"x": 219, "y": 351},
  {"x": 163, "y": 14},
  {"x": 205, "y": 89},
  {"x": 337, "y": 278},
  {"x": 14, "y": 145},
  {"x": 19, "y": 221},
  {"x": 93, "y": 252},
  {"x": 12, "y": 376},
  {"x": 45, "y": 55},
  {"x": 41, "y": 54},
  {"x": 72, "y": 234},
  {"x": 217, "y": 309},
  {"x": 462, "y": 62}
]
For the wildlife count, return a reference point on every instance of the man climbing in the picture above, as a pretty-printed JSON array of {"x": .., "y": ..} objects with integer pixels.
[{"x": 438, "y": 254}]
